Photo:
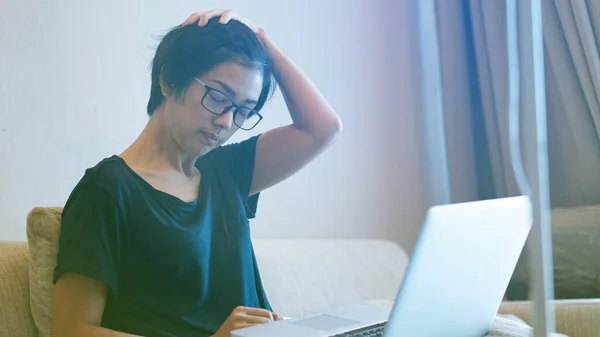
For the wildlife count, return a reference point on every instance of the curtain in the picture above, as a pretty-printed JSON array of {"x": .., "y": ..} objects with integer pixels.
[
  {"x": 571, "y": 29},
  {"x": 473, "y": 52}
]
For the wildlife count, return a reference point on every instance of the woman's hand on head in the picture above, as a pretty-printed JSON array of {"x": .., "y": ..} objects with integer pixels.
[
  {"x": 243, "y": 317},
  {"x": 225, "y": 15}
]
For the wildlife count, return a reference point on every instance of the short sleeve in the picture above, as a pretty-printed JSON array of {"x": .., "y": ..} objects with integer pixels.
[
  {"x": 90, "y": 237},
  {"x": 239, "y": 159}
]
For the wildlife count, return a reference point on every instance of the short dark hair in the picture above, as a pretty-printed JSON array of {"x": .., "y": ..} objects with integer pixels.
[{"x": 189, "y": 51}]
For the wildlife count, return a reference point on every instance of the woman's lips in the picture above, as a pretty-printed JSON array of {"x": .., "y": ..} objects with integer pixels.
[{"x": 211, "y": 138}]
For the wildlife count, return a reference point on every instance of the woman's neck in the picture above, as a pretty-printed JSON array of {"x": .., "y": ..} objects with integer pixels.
[{"x": 156, "y": 149}]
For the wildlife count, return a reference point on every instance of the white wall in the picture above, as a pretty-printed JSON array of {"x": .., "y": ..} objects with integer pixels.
[{"x": 75, "y": 71}]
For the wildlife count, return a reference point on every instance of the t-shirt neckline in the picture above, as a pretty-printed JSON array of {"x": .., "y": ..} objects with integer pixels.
[{"x": 147, "y": 185}]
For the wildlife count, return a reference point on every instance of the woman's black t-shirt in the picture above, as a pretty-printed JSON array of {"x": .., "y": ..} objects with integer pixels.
[{"x": 172, "y": 268}]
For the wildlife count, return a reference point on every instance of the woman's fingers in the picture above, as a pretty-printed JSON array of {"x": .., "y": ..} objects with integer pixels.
[
  {"x": 242, "y": 325},
  {"x": 253, "y": 316},
  {"x": 206, "y": 16},
  {"x": 259, "y": 312},
  {"x": 191, "y": 19},
  {"x": 252, "y": 319},
  {"x": 227, "y": 16},
  {"x": 202, "y": 17}
]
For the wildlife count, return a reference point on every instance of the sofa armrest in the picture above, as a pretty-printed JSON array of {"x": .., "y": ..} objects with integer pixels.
[
  {"x": 574, "y": 318},
  {"x": 15, "y": 313}
]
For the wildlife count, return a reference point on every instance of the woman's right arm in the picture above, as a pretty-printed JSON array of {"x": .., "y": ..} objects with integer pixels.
[
  {"x": 78, "y": 308},
  {"x": 79, "y": 305}
]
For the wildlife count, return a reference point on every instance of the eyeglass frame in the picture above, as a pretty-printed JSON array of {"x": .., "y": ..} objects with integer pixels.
[{"x": 233, "y": 106}]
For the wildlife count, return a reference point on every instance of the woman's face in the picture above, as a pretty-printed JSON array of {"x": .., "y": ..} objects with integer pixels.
[{"x": 194, "y": 128}]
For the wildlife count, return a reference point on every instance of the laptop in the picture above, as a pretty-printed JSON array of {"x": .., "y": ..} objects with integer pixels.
[{"x": 453, "y": 286}]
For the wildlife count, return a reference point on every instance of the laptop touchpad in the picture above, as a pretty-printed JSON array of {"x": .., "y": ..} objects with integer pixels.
[{"x": 325, "y": 322}]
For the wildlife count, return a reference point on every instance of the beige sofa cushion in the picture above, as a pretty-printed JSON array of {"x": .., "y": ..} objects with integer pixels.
[
  {"x": 43, "y": 229},
  {"x": 574, "y": 318},
  {"x": 15, "y": 316},
  {"x": 575, "y": 243},
  {"x": 302, "y": 276}
]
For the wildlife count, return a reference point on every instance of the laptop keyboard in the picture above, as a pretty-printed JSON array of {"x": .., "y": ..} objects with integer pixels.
[{"x": 370, "y": 331}]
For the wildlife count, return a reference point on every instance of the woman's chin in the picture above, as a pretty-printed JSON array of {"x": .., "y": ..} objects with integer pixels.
[{"x": 202, "y": 150}]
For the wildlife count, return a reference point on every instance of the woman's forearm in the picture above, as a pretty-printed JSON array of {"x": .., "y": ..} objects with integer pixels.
[{"x": 307, "y": 106}]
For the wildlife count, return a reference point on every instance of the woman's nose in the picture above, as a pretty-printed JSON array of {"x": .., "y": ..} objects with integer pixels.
[{"x": 225, "y": 120}]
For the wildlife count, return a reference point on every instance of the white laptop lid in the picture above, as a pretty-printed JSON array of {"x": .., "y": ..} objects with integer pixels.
[{"x": 460, "y": 268}]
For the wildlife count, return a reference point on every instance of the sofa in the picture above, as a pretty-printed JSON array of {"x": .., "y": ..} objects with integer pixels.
[
  {"x": 300, "y": 276},
  {"x": 575, "y": 247}
]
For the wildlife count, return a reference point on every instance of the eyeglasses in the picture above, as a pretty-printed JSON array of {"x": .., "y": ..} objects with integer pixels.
[{"x": 219, "y": 104}]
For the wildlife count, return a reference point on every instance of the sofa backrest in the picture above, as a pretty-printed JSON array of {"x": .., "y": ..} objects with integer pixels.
[
  {"x": 301, "y": 276},
  {"x": 15, "y": 314}
]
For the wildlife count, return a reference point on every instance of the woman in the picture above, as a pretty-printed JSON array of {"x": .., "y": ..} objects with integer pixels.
[{"x": 155, "y": 241}]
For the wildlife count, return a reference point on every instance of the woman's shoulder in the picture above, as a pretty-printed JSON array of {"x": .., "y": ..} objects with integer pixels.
[
  {"x": 110, "y": 174},
  {"x": 108, "y": 170},
  {"x": 227, "y": 158}
]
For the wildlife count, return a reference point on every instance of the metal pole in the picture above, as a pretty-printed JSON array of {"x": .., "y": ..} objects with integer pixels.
[
  {"x": 435, "y": 163},
  {"x": 533, "y": 106}
]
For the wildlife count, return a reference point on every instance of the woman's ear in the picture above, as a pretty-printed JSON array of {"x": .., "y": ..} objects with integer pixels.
[{"x": 165, "y": 89}]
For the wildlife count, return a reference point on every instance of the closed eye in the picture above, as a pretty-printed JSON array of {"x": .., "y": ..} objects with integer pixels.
[
  {"x": 246, "y": 112},
  {"x": 217, "y": 96}
]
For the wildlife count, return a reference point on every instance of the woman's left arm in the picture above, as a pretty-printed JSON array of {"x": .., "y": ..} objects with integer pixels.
[{"x": 283, "y": 151}]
